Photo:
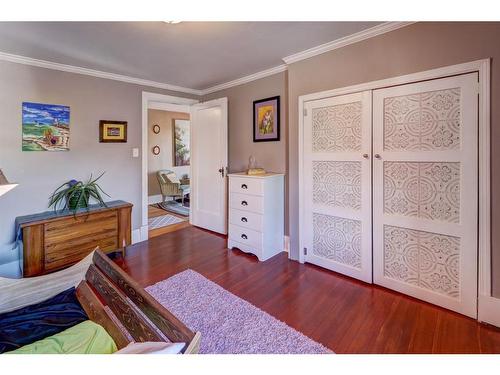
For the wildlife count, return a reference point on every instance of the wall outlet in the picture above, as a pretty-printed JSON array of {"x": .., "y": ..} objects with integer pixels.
[{"x": 135, "y": 152}]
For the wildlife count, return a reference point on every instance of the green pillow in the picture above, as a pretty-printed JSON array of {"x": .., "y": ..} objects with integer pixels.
[{"x": 84, "y": 338}]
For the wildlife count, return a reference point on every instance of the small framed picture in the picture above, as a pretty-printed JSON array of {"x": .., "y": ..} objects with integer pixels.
[
  {"x": 112, "y": 131},
  {"x": 266, "y": 119}
]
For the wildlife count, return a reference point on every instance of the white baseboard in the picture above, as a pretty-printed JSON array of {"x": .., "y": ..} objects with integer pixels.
[
  {"x": 489, "y": 310},
  {"x": 153, "y": 199},
  {"x": 140, "y": 234}
]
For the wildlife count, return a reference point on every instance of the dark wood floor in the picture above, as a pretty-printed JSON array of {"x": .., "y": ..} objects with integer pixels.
[{"x": 346, "y": 315}]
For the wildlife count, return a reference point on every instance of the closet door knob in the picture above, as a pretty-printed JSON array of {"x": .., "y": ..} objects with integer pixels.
[
  {"x": 244, "y": 219},
  {"x": 244, "y": 203},
  {"x": 366, "y": 156},
  {"x": 244, "y": 236},
  {"x": 377, "y": 156},
  {"x": 244, "y": 186}
]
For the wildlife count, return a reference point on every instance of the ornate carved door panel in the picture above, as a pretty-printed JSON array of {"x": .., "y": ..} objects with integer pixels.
[
  {"x": 425, "y": 190},
  {"x": 337, "y": 184}
]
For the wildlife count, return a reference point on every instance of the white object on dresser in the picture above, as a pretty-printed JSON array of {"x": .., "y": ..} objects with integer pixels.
[{"x": 256, "y": 213}]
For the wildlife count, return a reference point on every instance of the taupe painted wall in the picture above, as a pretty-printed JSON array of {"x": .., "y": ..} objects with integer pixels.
[
  {"x": 39, "y": 173},
  {"x": 414, "y": 48},
  {"x": 269, "y": 155},
  {"x": 164, "y": 140}
]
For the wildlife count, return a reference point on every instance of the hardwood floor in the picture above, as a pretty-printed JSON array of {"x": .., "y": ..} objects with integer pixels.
[
  {"x": 346, "y": 315},
  {"x": 154, "y": 211}
]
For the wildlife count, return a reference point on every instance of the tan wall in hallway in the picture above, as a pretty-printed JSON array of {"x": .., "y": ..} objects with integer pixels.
[
  {"x": 164, "y": 140},
  {"x": 414, "y": 48}
]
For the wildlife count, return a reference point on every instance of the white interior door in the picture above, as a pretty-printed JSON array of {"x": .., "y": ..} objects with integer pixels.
[
  {"x": 425, "y": 190},
  {"x": 209, "y": 165},
  {"x": 336, "y": 225}
]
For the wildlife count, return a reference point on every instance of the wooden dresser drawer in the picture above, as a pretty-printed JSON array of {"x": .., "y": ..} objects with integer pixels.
[
  {"x": 69, "y": 255},
  {"x": 246, "y": 219},
  {"x": 246, "y": 186},
  {"x": 246, "y": 236},
  {"x": 246, "y": 202},
  {"x": 70, "y": 228},
  {"x": 69, "y": 240}
]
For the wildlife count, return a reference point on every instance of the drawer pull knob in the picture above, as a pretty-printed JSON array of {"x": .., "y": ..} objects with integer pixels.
[
  {"x": 244, "y": 203},
  {"x": 244, "y": 219},
  {"x": 244, "y": 186},
  {"x": 244, "y": 236}
]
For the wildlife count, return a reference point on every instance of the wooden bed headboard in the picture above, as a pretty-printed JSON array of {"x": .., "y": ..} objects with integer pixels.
[{"x": 127, "y": 312}]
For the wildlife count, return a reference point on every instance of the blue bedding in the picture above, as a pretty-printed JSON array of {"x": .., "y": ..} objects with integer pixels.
[{"x": 36, "y": 322}]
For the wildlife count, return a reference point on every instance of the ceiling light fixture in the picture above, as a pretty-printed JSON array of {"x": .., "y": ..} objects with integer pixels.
[{"x": 172, "y": 22}]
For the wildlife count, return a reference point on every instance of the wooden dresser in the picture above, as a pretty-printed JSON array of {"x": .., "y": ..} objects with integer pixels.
[
  {"x": 256, "y": 213},
  {"x": 54, "y": 240}
]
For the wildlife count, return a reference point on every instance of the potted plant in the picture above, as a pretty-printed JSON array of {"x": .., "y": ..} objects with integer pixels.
[{"x": 74, "y": 195}]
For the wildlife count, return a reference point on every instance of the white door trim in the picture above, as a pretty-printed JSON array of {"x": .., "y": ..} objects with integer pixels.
[
  {"x": 481, "y": 66},
  {"x": 166, "y": 103}
]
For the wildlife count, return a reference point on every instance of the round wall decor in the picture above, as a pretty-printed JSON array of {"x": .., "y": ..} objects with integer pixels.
[
  {"x": 156, "y": 150},
  {"x": 156, "y": 128}
]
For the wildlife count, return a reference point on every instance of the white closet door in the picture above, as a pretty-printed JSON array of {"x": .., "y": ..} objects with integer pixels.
[
  {"x": 336, "y": 184},
  {"x": 425, "y": 190}
]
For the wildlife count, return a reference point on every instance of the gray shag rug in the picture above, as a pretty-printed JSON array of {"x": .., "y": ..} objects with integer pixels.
[{"x": 228, "y": 324}]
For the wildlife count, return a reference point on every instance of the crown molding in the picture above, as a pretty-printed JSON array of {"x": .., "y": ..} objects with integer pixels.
[
  {"x": 246, "y": 79},
  {"x": 338, "y": 43},
  {"x": 94, "y": 73},
  {"x": 345, "y": 41}
]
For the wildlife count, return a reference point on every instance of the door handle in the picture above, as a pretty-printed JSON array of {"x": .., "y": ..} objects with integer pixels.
[
  {"x": 244, "y": 219},
  {"x": 244, "y": 203},
  {"x": 244, "y": 186},
  {"x": 366, "y": 156},
  {"x": 377, "y": 156},
  {"x": 244, "y": 236},
  {"x": 221, "y": 171}
]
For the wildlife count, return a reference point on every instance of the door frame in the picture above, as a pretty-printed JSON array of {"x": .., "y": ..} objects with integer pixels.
[
  {"x": 151, "y": 100},
  {"x": 488, "y": 306}
]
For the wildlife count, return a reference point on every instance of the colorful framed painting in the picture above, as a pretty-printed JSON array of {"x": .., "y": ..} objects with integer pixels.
[
  {"x": 266, "y": 119},
  {"x": 181, "y": 146},
  {"x": 45, "y": 127},
  {"x": 112, "y": 131}
]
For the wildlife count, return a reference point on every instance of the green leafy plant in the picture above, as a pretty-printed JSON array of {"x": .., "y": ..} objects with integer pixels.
[{"x": 74, "y": 195}]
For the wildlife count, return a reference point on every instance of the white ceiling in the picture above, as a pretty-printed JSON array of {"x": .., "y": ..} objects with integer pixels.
[{"x": 196, "y": 55}]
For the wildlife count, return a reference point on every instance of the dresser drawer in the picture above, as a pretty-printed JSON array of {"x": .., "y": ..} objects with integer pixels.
[
  {"x": 246, "y": 202},
  {"x": 246, "y": 219},
  {"x": 246, "y": 186},
  {"x": 246, "y": 236}
]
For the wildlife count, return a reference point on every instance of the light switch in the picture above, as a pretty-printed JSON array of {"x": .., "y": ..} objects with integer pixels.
[{"x": 135, "y": 152}]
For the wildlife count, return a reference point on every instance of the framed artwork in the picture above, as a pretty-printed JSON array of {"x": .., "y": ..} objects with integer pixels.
[
  {"x": 45, "y": 127},
  {"x": 181, "y": 142},
  {"x": 112, "y": 131},
  {"x": 266, "y": 119}
]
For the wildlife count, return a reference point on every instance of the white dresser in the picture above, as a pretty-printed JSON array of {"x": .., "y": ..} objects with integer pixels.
[{"x": 256, "y": 213}]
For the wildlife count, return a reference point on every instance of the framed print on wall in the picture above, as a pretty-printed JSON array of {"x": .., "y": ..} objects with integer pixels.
[
  {"x": 266, "y": 119},
  {"x": 112, "y": 131}
]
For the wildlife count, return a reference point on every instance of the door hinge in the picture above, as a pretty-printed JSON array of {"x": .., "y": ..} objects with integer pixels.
[
  {"x": 305, "y": 250},
  {"x": 305, "y": 111}
]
